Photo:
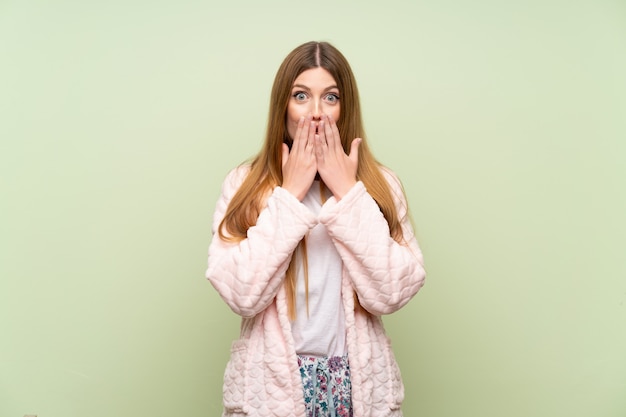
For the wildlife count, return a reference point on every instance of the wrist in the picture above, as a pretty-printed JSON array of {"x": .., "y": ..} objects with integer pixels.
[
  {"x": 294, "y": 191},
  {"x": 343, "y": 189}
]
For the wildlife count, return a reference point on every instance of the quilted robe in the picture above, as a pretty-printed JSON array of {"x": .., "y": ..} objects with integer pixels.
[{"x": 262, "y": 376}]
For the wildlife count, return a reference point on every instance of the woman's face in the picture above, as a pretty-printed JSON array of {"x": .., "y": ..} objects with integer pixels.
[{"x": 314, "y": 92}]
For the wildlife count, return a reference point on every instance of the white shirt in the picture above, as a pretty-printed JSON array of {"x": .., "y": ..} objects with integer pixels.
[{"x": 323, "y": 332}]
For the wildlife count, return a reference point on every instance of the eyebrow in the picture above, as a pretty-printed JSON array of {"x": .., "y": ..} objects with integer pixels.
[{"x": 307, "y": 88}]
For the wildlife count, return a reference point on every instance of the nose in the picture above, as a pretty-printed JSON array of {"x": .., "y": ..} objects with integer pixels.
[{"x": 317, "y": 109}]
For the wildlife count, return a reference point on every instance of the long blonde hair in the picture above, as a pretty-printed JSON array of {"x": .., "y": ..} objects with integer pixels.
[{"x": 266, "y": 167}]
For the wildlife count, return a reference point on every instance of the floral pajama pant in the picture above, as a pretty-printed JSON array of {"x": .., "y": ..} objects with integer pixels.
[{"x": 327, "y": 387}]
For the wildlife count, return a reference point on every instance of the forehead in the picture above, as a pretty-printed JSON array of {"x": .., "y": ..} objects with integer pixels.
[{"x": 315, "y": 77}]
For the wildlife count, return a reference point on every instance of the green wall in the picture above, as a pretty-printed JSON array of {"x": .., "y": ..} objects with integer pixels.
[{"x": 505, "y": 120}]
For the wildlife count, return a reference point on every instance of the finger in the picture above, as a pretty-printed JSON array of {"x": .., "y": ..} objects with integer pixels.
[
  {"x": 332, "y": 137},
  {"x": 285, "y": 154},
  {"x": 335, "y": 132},
  {"x": 322, "y": 133},
  {"x": 354, "y": 149},
  {"x": 304, "y": 132},
  {"x": 319, "y": 149},
  {"x": 299, "y": 129},
  {"x": 328, "y": 133},
  {"x": 311, "y": 133}
]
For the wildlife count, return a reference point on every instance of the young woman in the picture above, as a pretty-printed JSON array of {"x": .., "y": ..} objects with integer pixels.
[{"x": 312, "y": 243}]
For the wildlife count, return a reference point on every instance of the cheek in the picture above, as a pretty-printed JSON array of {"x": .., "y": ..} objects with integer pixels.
[
  {"x": 292, "y": 121},
  {"x": 295, "y": 112},
  {"x": 292, "y": 113},
  {"x": 335, "y": 112}
]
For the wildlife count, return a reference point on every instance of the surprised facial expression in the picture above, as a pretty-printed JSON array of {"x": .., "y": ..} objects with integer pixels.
[{"x": 314, "y": 92}]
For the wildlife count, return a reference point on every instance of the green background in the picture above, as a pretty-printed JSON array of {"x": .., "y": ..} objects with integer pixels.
[{"x": 505, "y": 120}]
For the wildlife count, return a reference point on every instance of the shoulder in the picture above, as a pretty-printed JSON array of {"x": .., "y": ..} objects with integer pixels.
[
  {"x": 392, "y": 179},
  {"x": 396, "y": 189},
  {"x": 235, "y": 178}
]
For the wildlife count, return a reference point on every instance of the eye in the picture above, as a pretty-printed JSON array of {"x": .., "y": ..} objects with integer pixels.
[
  {"x": 332, "y": 98},
  {"x": 299, "y": 95}
]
